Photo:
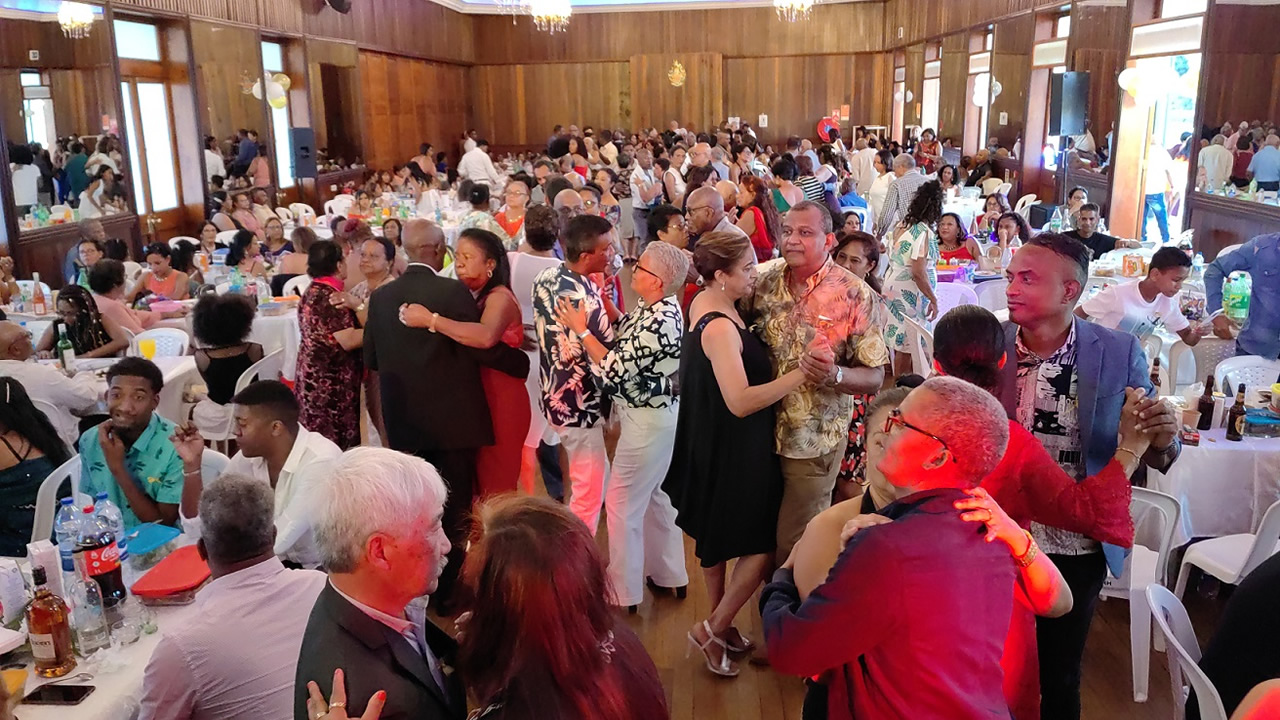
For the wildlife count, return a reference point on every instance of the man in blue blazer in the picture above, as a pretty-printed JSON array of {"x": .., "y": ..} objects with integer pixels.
[{"x": 1065, "y": 382}]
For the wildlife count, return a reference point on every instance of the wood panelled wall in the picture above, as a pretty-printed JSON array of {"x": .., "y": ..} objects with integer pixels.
[
  {"x": 408, "y": 101},
  {"x": 698, "y": 103},
  {"x": 842, "y": 28},
  {"x": 1011, "y": 67},
  {"x": 934, "y": 18},
  {"x": 914, "y": 83},
  {"x": 1098, "y": 45},
  {"x": 953, "y": 94},
  {"x": 517, "y": 105},
  {"x": 342, "y": 55},
  {"x": 224, "y": 54},
  {"x": 79, "y": 72},
  {"x": 1243, "y": 59}
]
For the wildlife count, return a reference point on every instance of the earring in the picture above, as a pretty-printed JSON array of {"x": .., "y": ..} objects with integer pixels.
[
  {"x": 721, "y": 287},
  {"x": 490, "y": 273}
]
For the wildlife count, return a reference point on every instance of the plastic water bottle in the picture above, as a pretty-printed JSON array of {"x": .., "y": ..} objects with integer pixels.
[
  {"x": 88, "y": 614},
  {"x": 1197, "y": 267},
  {"x": 111, "y": 514},
  {"x": 66, "y": 528},
  {"x": 1055, "y": 223}
]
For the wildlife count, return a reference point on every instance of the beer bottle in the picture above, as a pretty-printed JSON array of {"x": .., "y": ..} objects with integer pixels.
[
  {"x": 1235, "y": 417},
  {"x": 49, "y": 629},
  {"x": 1155, "y": 377},
  {"x": 1205, "y": 405}
]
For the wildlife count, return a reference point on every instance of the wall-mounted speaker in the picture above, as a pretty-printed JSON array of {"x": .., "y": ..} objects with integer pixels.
[
  {"x": 304, "y": 152},
  {"x": 1068, "y": 103}
]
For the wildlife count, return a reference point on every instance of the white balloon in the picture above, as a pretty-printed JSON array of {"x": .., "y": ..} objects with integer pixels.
[
  {"x": 275, "y": 90},
  {"x": 910, "y": 96},
  {"x": 897, "y": 95},
  {"x": 1129, "y": 79},
  {"x": 257, "y": 89},
  {"x": 996, "y": 88}
]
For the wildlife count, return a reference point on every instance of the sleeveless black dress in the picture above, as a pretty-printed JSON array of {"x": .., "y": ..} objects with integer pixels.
[{"x": 725, "y": 480}]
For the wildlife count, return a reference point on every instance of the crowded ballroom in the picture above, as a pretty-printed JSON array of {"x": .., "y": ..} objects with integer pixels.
[{"x": 639, "y": 360}]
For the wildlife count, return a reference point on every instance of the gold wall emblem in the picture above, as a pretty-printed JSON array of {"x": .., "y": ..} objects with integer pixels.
[{"x": 677, "y": 74}]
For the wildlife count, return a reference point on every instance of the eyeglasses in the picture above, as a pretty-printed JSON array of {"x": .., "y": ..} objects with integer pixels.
[
  {"x": 895, "y": 418},
  {"x": 691, "y": 210},
  {"x": 644, "y": 269}
]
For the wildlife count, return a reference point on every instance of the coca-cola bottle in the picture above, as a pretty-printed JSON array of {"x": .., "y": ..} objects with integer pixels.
[{"x": 101, "y": 557}]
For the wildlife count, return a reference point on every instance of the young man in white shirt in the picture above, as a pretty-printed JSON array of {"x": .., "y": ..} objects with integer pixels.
[
  {"x": 477, "y": 166},
  {"x": 276, "y": 450},
  {"x": 1137, "y": 307}
]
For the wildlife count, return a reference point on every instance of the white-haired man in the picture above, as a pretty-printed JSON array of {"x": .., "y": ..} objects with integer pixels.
[
  {"x": 379, "y": 527},
  {"x": 1215, "y": 161},
  {"x": 236, "y": 657},
  {"x": 923, "y": 595},
  {"x": 639, "y": 374},
  {"x": 901, "y": 192}
]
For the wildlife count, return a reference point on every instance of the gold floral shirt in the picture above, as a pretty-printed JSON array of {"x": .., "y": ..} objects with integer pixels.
[{"x": 814, "y": 421}]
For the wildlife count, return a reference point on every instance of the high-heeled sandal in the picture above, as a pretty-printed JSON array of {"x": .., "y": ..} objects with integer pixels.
[
  {"x": 743, "y": 647},
  {"x": 725, "y": 667}
]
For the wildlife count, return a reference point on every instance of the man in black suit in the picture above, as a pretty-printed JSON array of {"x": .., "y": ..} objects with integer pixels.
[
  {"x": 428, "y": 386},
  {"x": 379, "y": 527}
]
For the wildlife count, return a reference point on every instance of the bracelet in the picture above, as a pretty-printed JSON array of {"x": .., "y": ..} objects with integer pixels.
[
  {"x": 1029, "y": 556},
  {"x": 362, "y": 307},
  {"x": 584, "y": 334},
  {"x": 190, "y": 473},
  {"x": 1127, "y": 450},
  {"x": 434, "y": 318}
]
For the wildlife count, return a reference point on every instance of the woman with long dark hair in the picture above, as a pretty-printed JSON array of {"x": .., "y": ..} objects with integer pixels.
[
  {"x": 953, "y": 242},
  {"x": 30, "y": 449},
  {"x": 912, "y": 274},
  {"x": 859, "y": 253},
  {"x": 759, "y": 218},
  {"x": 91, "y": 334},
  {"x": 245, "y": 254},
  {"x": 482, "y": 265},
  {"x": 330, "y": 365}
]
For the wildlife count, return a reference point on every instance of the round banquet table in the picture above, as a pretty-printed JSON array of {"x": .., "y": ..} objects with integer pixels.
[{"x": 1224, "y": 487}]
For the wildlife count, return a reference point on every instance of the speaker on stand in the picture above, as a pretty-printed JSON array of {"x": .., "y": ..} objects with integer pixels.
[
  {"x": 1068, "y": 115},
  {"x": 303, "y": 142}
]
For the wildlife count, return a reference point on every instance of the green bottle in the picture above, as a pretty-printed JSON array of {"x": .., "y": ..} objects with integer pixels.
[{"x": 66, "y": 353}]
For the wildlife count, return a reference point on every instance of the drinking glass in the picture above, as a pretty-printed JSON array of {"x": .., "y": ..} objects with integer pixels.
[{"x": 147, "y": 346}]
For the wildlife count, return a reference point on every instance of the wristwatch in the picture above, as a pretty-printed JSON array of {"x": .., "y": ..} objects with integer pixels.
[
  {"x": 583, "y": 335},
  {"x": 839, "y": 376}
]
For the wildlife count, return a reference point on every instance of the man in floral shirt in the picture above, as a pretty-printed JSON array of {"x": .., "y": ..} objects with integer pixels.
[
  {"x": 815, "y": 314},
  {"x": 572, "y": 398}
]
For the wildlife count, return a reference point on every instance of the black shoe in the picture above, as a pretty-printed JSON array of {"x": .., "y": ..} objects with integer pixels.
[{"x": 679, "y": 592}]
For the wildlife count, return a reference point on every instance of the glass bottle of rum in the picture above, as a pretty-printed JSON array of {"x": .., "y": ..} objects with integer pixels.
[{"x": 49, "y": 629}]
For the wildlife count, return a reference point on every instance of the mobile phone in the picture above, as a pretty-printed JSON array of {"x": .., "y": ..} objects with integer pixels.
[{"x": 58, "y": 695}]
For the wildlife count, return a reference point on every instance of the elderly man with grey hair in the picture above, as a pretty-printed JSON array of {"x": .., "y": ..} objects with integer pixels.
[
  {"x": 917, "y": 591},
  {"x": 639, "y": 372},
  {"x": 380, "y": 528},
  {"x": 901, "y": 192},
  {"x": 236, "y": 656},
  {"x": 1215, "y": 162},
  {"x": 704, "y": 211}
]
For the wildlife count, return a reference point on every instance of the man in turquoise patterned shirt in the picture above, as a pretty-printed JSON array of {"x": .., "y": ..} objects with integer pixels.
[{"x": 130, "y": 457}]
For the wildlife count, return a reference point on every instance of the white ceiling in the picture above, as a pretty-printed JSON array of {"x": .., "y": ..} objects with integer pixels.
[{"x": 589, "y": 6}]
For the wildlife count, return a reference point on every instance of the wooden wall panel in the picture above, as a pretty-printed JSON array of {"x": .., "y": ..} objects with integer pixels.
[
  {"x": 953, "y": 96},
  {"x": 417, "y": 28},
  {"x": 935, "y": 18},
  {"x": 1011, "y": 67},
  {"x": 79, "y": 74},
  {"x": 749, "y": 32},
  {"x": 406, "y": 101},
  {"x": 796, "y": 91},
  {"x": 914, "y": 83},
  {"x": 517, "y": 105},
  {"x": 224, "y": 55},
  {"x": 698, "y": 104},
  {"x": 322, "y": 52},
  {"x": 81, "y": 98},
  {"x": 56, "y": 50},
  {"x": 1098, "y": 45},
  {"x": 1243, "y": 59}
]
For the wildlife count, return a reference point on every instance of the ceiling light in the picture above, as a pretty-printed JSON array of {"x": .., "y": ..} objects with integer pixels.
[
  {"x": 793, "y": 10},
  {"x": 550, "y": 15},
  {"x": 76, "y": 19}
]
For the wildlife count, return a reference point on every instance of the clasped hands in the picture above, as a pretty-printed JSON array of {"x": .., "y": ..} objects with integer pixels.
[{"x": 818, "y": 363}]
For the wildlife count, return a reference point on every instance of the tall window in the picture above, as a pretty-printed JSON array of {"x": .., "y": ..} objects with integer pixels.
[
  {"x": 37, "y": 108},
  {"x": 272, "y": 63},
  {"x": 148, "y": 118}
]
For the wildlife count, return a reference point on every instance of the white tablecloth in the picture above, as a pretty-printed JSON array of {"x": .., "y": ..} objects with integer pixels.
[
  {"x": 279, "y": 332},
  {"x": 1224, "y": 487},
  {"x": 179, "y": 372},
  {"x": 119, "y": 687}
]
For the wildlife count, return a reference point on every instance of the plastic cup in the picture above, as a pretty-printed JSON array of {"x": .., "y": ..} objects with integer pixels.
[
  {"x": 147, "y": 346},
  {"x": 1190, "y": 418}
]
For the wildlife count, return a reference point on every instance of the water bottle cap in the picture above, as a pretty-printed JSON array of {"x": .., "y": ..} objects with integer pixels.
[
  {"x": 67, "y": 500},
  {"x": 100, "y": 496}
]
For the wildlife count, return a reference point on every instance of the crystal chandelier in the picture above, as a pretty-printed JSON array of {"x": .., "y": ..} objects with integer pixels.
[
  {"x": 550, "y": 15},
  {"x": 76, "y": 19},
  {"x": 793, "y": 10},
  {"x": 514, "y": 8}
]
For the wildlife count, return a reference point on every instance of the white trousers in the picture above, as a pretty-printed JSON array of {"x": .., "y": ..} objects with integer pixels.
[
  {"x": 588, "y": 471},
  {"x": 643, "y": 538}
]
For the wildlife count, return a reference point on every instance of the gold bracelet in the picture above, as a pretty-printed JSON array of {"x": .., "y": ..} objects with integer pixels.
[
  {"x": 1127, "y": 450},
  {"x": 434, "y": 318},
  {"x": 1028, "y": 557}
]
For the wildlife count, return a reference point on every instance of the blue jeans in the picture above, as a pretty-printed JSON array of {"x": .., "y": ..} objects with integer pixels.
[
  {"x": 1155, "y": 206},
  {"x": 552, "y": 477}
]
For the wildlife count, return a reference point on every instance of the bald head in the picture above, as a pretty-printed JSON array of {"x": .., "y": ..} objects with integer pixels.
[
  {"x": 728, "y": 193},
  {"x": 15, "y": 344},
  {"x": 423, "y": 242},
  {"x": 700, "y": 155},
  {"x": 567, "y": 200},
  {"x": 704, "y": 209}
]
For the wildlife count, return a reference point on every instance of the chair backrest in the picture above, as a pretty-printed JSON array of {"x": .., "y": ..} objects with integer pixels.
[
  {"x": 1228, "y": 249},
  {"x": 212, "y": 464},
  {"x": 132, "y": 272},
  {"x": 268, "y": 368},
  {"x": 951, "y": 295},
  {"x": 284, "y": 214},
  {"x": 1265, "y": 541},
  {"x": 991, "y": 295},
  {"x": 37, "y": 328},
  {"x": 991, "y": 185},
  {"x": 1164, "y": 510},
  {"x": 173, "y": 241},
  {"x": 170, "y": 342},
  {"x": 225, "y": 237},
  {"x": 300, "y": 209},
  {"x": 339, "y": 205},
  {"x": 1024, "y": 202},
  {"x": 1152, "y": 344},
  {"x": 1171, "y": 617},
  {"x": 1252, "y": 370},
  {"x": 60, "y": 421},
  {"x": 920, "y": 343},
  {"x": 297, "y": 285},
  {"x": 28, "y": 287},
  {"x": 1005, "y": 188},
  {"x": 47, "y": 497}
]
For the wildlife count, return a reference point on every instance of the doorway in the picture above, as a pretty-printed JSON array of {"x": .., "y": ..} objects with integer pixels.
[{"x": 1168, "y": 96}]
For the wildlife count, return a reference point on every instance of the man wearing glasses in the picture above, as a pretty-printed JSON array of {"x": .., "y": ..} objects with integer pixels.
[
  {"x": 704, "y": 212},
  {"x": 920, "y": 594}
]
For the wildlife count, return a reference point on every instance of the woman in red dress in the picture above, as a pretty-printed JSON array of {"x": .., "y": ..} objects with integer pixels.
[
  {"x": 759, "y": 218},
  {"x": 482, "y": 266}
]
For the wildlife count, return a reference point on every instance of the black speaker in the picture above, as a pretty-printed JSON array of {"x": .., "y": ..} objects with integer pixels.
[
  {"x": 1040, "y": 214},
  {"x": 1068, "y": 103},
  {"x": 304, "y": 152}
]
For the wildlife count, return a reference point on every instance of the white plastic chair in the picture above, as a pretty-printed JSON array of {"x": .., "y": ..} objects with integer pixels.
[
  {"x": 212, "y": 464},
  {"x": 1231, "y": 558},
  {"x": 1144, "y": 567},
  {"x": 920, "y": 343},
  {"x": 268, "y": 368},
  {"x": 1205, "y": 356},
  {"x": 302, "y": 209},
  {"x": 173, "y": 241},
  {"x": 1005, "y": 188},
  {"x": 991, "y": 185},
  {"x": 224, "y": 237},
  {"x": 991, "y": 294},
  {"x": 132, "y": 273},
  {"x": 47, "y": 497},
  {"x": 1228, "y": 249},
  {"x": 297, "y": 285},
  {"x": 1251, "y": 370},
  {"x": 170, "y": 342},
  {"x": 1025, "y": 202},
  {"x": 952, "y": 295},
  {"x": 68, "y": 432},
  {"x": 28, "y": 287},
  {"x": 284, "y": 214},
  {"x": 1184, "y": 662},
  {"x": 1152, "y": 345},
  {"x": 37, "y": 329},
  {"x": 339, "y": 205}
]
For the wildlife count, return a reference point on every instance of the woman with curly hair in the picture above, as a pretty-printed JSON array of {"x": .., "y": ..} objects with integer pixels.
[
  {"x": 912, "y": 273},
  {"x": 759, "y": 218},
  {"x": 91, "y": 334},
  {"x": 221, "y": 325}
]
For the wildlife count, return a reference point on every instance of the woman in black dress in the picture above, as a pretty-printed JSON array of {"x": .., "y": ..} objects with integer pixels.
[{"x": 725, "y": 480}]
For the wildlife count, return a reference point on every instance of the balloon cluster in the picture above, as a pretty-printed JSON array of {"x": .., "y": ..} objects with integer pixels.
[
  {"x": 277, "y": 89},
  {"x": 986, "y": 89},
  {"x": 1146, "y": 84}
]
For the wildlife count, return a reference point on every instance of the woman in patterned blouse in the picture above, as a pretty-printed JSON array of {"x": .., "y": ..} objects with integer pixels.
[{"x": 639, "y": 373}]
